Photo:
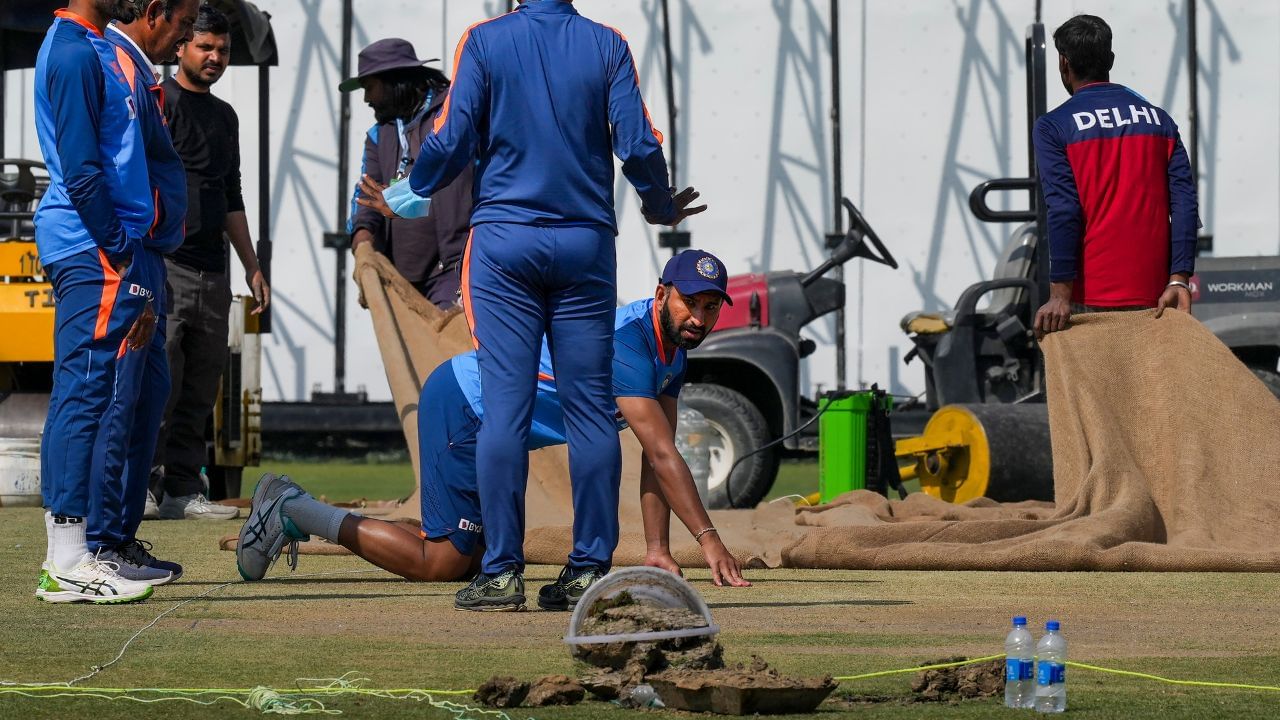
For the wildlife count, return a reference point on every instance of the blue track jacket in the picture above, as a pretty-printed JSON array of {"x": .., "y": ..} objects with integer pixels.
[
  {"x": 168, "y": 178},
  {"x": 86, "y": 121},
  {"x": 541, "y": 97}
]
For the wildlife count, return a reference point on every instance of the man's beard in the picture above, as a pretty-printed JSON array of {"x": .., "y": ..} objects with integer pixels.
[
  {"x": 383, "y": 114},
  {"x": 122, "y": 11},
  {"x": 671, "y": 333}
]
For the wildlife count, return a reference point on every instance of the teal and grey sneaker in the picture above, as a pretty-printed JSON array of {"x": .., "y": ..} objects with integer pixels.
[
  {"x": 567, "y": 590},
  {"x": 498, "y": 593},
  {"x": 267, "y": 529}
]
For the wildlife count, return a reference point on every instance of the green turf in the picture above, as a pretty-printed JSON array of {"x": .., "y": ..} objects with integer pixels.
[
  {"x": 338, "y": 480},
  {"x": 399, "y": 634}
]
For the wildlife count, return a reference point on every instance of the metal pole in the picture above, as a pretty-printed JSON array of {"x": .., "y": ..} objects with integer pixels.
[
  {"x": 4, "y": 110},
  {"x": 340, "y": 285},
  {"x": 1193, "y": 83},
  {"x": 837, "y": 184},
  {"x": 672, "y": 135},
  {"x": 264, "y": 185}
]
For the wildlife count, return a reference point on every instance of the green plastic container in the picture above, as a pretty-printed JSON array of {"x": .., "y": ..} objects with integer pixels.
[{"x": 842, "y": 443}]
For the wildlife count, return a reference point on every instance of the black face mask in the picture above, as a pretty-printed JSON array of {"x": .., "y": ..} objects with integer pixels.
[{"x": 671, "y": 334}]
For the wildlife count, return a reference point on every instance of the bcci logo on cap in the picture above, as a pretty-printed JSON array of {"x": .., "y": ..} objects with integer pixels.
[{"x": 708, "y": 269}]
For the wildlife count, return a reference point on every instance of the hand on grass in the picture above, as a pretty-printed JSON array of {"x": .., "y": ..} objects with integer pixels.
[{"x": 724, "y": 566}]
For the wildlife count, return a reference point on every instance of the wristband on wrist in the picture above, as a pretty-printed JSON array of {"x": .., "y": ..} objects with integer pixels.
[
  {"x": 1179, "y": 283},
  {"x": 698, "y": 535}
]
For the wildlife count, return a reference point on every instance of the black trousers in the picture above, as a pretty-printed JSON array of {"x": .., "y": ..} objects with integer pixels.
[{"x": 200, "y": 303}]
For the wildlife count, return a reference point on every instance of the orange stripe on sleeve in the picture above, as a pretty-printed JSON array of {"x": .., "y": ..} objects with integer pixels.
[
  {"x": 644, "y": 107},
  {"x": 453, "y": 76},
  {"x": 126, "y": 65},
  {"x": 466, "y": 290},
  {"x": 110, "y": 287}
]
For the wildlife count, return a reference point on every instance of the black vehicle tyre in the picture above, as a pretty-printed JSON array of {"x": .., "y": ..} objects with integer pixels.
[
  {"x": 1270, "y": 378},
  {"x": 740, "y": 428}
]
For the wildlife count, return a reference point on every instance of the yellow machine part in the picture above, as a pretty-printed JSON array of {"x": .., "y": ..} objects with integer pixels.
[
  {"x": 952, "y": 459},
  {"x": 26, "y": 305}
]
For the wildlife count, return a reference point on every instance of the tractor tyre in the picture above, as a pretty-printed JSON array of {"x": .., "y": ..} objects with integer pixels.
[
  {"x": 1270, "y": 378},
  {"x": 737, "y": 427}
]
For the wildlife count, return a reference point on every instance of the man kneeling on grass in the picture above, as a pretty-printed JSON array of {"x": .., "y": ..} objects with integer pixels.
[{"x": 650, "y": 340}]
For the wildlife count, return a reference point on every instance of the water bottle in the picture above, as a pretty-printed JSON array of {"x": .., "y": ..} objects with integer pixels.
[
  {"x": 644, "y": 696},
  {"x": 693, "y": 442},
  {"x": 1019, "y": 666},
  {"x": 1051, "y": 670}
]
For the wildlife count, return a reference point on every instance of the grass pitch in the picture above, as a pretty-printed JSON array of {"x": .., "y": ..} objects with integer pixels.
[{"x": 400, "y": 634}]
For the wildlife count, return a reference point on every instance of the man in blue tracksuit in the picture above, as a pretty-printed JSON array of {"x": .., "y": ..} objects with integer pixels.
[
  {"x": 541, "y": 98},
  {"x": 89, "y": 230},
  {"x": 128, "y": 435}
]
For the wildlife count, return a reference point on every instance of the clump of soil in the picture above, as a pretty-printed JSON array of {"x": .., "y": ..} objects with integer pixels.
[
  {"x": 508, "y": 692},
  {"x": 618, "y": 667},
  {"x": 555, "y": 690},
  {"x": 502, "y": 692},
  {"x": 980, "y": 680},
  {"x": 743, "y": 689}
]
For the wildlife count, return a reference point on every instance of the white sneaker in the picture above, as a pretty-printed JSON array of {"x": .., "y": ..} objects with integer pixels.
[
  {"x": 195, "y": 507},
  {"x": 151, "y": 511},
  {"x": 93, "y": 581},
  {"x": 266, "y": 531}
]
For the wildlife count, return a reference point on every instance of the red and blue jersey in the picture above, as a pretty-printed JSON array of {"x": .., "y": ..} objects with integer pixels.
[
  {"x": 1119, "y": 194},
  {"x": 643, "y": 366},
  {"x": 541, "y": 98},
  {"x": 86, "y": 120}
]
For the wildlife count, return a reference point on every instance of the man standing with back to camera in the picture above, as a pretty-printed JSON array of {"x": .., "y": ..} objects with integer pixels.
[
  {"x": 1118, "y": 189},
  {"x": 540, "y": 97},
  {"x": 206, "y": 134}
]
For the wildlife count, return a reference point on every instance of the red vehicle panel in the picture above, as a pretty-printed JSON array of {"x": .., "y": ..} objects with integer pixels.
[{"x": 738, "y": 314}]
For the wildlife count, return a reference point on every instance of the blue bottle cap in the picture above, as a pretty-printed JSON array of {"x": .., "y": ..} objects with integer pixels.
[
  {"x": 1051, "y": 626},
  {"x": 1019, "y": 621}
]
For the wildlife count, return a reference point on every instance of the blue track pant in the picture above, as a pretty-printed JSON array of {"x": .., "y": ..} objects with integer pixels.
[
  {"x": 96, "y": 307},
  {"x": 519, "y": 282},
  {"x": 121, "y": 469}
]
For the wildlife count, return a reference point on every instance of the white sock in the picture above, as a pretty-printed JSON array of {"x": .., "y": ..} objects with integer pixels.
[
  {"x": 314, "y": 517},
  {"x": 48, "y": 537},
  {"x": 67, "y": 545}
]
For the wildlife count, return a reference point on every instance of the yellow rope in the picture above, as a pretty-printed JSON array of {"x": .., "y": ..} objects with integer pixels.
[
  {"x": 1171, "y": 681},
  {"x": 1080, "y": 665},
  {"x": 882, "y": 673}
]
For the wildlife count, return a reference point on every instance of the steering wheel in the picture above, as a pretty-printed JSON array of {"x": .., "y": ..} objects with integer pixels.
[{"x": 859, "y": 225}]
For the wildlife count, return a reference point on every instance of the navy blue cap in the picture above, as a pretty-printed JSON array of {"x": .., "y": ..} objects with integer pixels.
[
  {"x": 382, "y": 56},
  {"x": 696, "y": 271},
  {"x": 1019, "y": 620}
]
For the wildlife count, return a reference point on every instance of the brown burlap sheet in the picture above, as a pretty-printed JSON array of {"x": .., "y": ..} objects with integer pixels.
[{"x": 1166, "y": 457}]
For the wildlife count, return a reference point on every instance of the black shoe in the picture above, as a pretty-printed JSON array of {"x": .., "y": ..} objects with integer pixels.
[
  {"x": 567, "y": 590},
  {"x": 499, "y": 593},
  {"x": 138, "y": 552}
]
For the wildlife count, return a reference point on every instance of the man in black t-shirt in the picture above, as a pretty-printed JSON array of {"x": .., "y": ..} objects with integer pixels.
[{"x": 205, "y": 133}]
